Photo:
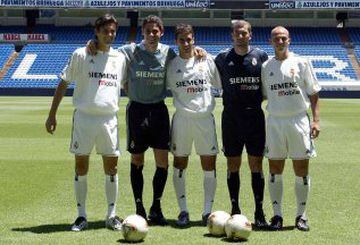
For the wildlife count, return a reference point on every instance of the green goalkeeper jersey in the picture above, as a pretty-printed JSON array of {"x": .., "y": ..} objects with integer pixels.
[{"x": 146, "y": 73}]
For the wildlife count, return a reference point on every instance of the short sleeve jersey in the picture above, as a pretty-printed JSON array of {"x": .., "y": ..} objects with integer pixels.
[
  {"x": 241, "y": 78},
  {"x": 191, "y": 82},
  {"x": 147, "y": 72},
  {"x": 287, "y": 85},
  {"x": 97, "y": 80}
]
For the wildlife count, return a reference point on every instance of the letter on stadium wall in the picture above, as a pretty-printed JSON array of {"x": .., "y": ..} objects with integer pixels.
[{"x": 25, "y": 65}]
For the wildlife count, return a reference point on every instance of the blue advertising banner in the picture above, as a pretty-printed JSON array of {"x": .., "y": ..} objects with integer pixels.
[
  {"x": 106, "y": 3},
  {"x": 314, "y": 4},
  {"x": 330, "y": 4}
]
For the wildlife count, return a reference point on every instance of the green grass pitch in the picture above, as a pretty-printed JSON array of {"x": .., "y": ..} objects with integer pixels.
[{"x": 36, "y": 183}]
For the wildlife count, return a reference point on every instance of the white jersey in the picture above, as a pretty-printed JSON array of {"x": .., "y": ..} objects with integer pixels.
[
  {"x": 191, "y": 82},
  {"x": 97, "y": 80},
  {"x": 287, "y": 85}
]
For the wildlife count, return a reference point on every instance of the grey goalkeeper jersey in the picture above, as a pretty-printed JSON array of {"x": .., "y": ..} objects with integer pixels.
[{"x": 146, "y": 75}]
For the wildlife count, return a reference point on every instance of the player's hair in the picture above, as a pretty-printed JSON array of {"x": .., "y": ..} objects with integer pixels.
[
  {"x": 244, "y": 23},
  {"x": 183, "y": 28},
  {"x": 154, "y": 19},
  {"x": 281, "y": 28},
  {"x": 105, "y": 19}
]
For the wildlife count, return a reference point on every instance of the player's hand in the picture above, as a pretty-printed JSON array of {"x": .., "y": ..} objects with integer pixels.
[
  {"x": 200, "y": 53},
  {"x": 315, "y": 129},
  {"x": 126, "y": 87},
  {"x": 91, "y": 47},
  {"x": 50, "y": 124}
]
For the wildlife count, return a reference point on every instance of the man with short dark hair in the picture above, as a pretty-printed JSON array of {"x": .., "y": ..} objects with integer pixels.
[
  {"x": 147, "y": 115},
  {"x": 243, "y": 121},
  {"x": 96, "y": 95},
  {"x": 191, "y": 82}
]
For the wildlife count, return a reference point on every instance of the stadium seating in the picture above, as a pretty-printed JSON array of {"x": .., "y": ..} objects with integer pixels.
[
  {"x": 357, "y": 53},
  {"x": 5, "y": 51},
  {"x": 354, "y": 34},
  {"x": 12, "y": 29},
  {"x": 330, "y": 62},
  {"x": 261, "y": 35},
  {"x": 39, "y": 64}
]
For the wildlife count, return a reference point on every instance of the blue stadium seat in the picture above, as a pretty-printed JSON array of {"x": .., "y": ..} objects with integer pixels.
[
  {"x": 354, "y": 34},
  {"x": 5, "y": 51}
]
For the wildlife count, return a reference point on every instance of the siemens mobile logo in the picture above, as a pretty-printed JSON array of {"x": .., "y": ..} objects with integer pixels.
[
  {"x": 244, "y": 80},
  {"x": 102, "y": 75},
  {"x": 197, "y": 82},
  {"x": 282, "y": 4}
]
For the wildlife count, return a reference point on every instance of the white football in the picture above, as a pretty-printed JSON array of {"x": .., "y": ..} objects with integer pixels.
[
  {"x": 216, "y": 222},
  {"x": 134, "y": 228},
  {"x": 238, "y": 227}
]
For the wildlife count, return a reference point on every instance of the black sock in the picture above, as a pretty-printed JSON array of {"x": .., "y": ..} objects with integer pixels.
[
  {"x": 159, "y": 182},
  {"x": 137, "y": 182},
  {"x": 233, "y": 183},
  {"x": 258, "y": 183}
]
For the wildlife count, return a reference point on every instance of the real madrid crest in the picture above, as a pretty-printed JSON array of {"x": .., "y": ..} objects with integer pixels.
[
  {"x": 254, "y": 62},
  {"x": 292, "y": 72}
]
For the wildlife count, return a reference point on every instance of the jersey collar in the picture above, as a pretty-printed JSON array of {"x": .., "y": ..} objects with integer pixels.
[{"x": 142, "y": 46}]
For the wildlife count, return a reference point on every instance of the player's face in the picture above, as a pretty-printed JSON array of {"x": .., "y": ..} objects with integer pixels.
[
  {"x": 152, "y": 34},
  {"x": 241, "y": 36},
  {"x": 106, "y": 34},
  {"x": 185, "y": 41},
  {"x": 280, "y": 40}
]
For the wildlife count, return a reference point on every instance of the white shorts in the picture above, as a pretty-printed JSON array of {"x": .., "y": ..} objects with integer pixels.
[
  {"x": 289, "y": 137},
  {"x": 201, "y": 131},
  {"x": 99, "y": 130}
]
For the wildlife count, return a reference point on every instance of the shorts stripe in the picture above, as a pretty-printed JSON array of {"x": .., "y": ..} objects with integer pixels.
[
  {"x": 312, "y": 146},
  {"x": 72, "y": 130},
  {"x": 127, "y": 126}
]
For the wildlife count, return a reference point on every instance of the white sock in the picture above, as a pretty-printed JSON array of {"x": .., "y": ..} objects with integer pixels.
[
  {"x": 209, "y": 190},
  {"x": 302, "y": 188},
  {"x": 179, "y": 185},
  {"x": 111, "y": 189},
  {"x": 276, "y": 192},
  {"x": 80, "y": 187}
]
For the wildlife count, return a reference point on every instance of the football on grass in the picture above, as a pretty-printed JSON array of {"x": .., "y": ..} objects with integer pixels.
[
  {"x": 134, "y": 228},
  {"x": 238, "y": 227},
  {"x": 216, "y": 223}
]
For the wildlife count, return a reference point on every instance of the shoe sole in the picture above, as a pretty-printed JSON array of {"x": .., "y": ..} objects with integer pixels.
[
  {"x": 78, "y": 230},
  {"x": 302, "y": 229},
  {"x": 183, "y": 224},
  {"x": 156, "y": 222}
]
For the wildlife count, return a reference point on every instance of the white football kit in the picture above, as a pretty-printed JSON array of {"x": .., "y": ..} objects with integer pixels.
[
  {"x": 96, "y": 95},
  {"x": 191, "y": 82},
  {"x": 287, "y": 85}
]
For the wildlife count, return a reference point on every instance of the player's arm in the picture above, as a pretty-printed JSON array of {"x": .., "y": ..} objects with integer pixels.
[
  {"x": 68, "y": 74},
  {"x": 59, "y": 94},
  {"x": 127, "y": 51},
  {"x": 315, "y": 109},
  {"x": 214, "y": 73},
  {"x": 263, "y": 85},
  {"x": 312, "y": 88}
]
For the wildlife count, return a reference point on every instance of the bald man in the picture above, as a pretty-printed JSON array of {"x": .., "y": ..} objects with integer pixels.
[{"x": 290, "y": 88}]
